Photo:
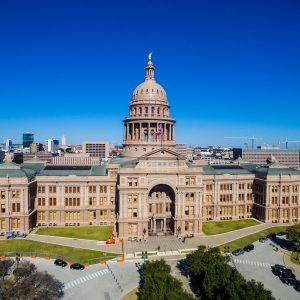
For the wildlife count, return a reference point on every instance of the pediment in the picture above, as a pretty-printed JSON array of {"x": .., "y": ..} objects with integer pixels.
[{"x": 162, "y": 153}]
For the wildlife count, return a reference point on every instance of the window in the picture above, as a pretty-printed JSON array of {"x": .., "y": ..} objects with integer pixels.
[
  {"x": 112, "y": 200},
  {"x": 285, "y": 200},
  {"x": 103, "y": 200},
  {"x": 285, "y": 189},
  {"x": 190, "y": 180},
  {"x": 103, "y": 189},
  {"x": 112, "y": 189},
  {"x": 132, "y": 181},
  {"x": 226, "y": 187},
  {"x": 15, "y": 223},
  {"x": 274, "y": 188},
  {"x": 72, "y": 216},
  {"x": 241, "y": 197},
  {"x": 189, "y": 197},
  {"x": 2, "y": 224},
  {"x": 3, "y": 194},
  {"x": 41, "y": 189},
  {"x": 208, "y": 211},
  {"x": 52, "y": 216},
  {"x": 2, "y": 208},
  {"x": 72, "y": 201},
  {"x": 241, "y": 186},
  {"x": 92, "y": 189},
  {"x": 294, "y": 199},
  {"x": 168, "y": 207},
  {"x": 92, "y": 215},
  {"x": 294, "y": 188},
  {"x": 208, "y": 199},
  {"x": 209, "y": 187},
  {"x": 15, "y": 207},
  {"x": 92, "y": 201},
  {"x": 15, "y": 194},
  {"x": 150, "y": 208},
  {"x": 132, "y": 228},
  {"x": 189, "y": 226},
  {"x": 274, "y": 200},
  {"x": 189, "y": 210},
  {"x": 132, "y": 212},
  {"x": 52, "y": 189},
  {"x": 132, "y": 198},
  {"x": 52, "y": 201},
  {"x": 41, "y": 202},
  {"x": 225, "y": 197}
]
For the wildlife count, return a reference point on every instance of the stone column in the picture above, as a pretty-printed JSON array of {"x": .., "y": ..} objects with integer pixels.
[
  {"x": 165, "y": 221},
  {"x": 124, "y": 133},
  {"x": 140, "y": 132},
  {"x": 148, "y": 132},
  {"x": 165, "y": 131},
  {"x": 154, "y": 225},
  {"x": 127, "y": 131}
]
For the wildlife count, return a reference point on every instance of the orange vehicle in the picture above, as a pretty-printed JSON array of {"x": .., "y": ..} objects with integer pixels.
[{"x": 110, "y": 240}]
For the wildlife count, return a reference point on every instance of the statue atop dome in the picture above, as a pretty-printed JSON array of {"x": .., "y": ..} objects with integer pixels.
[{"x": 149, "y": 56}]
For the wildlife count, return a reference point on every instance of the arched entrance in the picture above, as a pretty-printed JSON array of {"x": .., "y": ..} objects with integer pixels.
[{"x": 161, "y": 209}]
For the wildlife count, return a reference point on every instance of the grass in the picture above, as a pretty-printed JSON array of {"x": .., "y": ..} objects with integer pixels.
[
  {"x": 27, "y": 248},
  {"x": 212, "y": 227},
  {"x": 131, "y": 295},
  {"x": 242, "y": 242},
  {"x": 101, "y": 233}
]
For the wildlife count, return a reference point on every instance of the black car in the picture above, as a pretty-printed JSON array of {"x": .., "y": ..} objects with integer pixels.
[
  {"x": 284, "y": 272},
  {"x": 263, "y": 239},
  {"x": 249, "y": 248},
  {"x": 60, "y": 262},
  {"x": 287, "y": 279},
  {"x": 77, "y": 266},
  {"x": 238, "y": 252},
  {"x": 297, "y": 287}
]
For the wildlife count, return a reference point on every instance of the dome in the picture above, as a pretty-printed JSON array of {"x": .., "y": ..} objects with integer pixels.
[{"x": 149, "y": 91}]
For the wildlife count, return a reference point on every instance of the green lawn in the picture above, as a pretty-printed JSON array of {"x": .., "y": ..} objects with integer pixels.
[
  {"x": 27, "y": 248},
  {"x": 100, "y": 233},
  {"x": 242, "y": 242},
  {"x": 212, "y": 227}
]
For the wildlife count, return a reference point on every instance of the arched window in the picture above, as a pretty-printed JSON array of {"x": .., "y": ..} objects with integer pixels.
[
  {"x": 140, "y": 110},
  {"x": 146, "y": 110},
  {"x": 158, "y": 110},
  {"x": 146, "y": 90},
  {"x": 152, "y": 110}
]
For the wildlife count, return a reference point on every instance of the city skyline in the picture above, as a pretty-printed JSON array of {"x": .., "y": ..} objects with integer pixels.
[{"x": 235, "y": 71}]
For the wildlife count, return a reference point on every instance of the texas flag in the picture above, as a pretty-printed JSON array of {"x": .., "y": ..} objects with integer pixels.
[{"x": 159, "y": 130}]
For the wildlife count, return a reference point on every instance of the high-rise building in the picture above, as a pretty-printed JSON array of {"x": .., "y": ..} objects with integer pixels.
[
  {"x": 52, "y": 145},
  {"x": 96, "y": 149},
  {"x": 8, "y": 143},
  {"x": 36, "y": 147},
  {"x": 63, "y": 140},
  {"x": 28, "y": 139}
]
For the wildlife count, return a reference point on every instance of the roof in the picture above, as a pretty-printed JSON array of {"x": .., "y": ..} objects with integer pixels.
[
  {"x": 225, "y": 169},
  {"x": 13, "y": 170},
  {"x": 73, "y": 170}
]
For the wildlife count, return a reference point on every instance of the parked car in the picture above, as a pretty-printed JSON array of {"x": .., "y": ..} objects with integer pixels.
[
  {"x": 263, "y": 239},
  {"x": 249, "y": 248},
  {"x": 281, "y": 233},
  {"x": 60, "y": 262},
  {"x": 297, "y": 287},
  {"x": 238, "y": 252},
  {"x": 271, "y": 236},
  {"x": 10, "y": 235},
  {"x": 77, "y": 266},
  {"x": 279, "y": 270},
  {"x": 21, "y": 235},
  {"x": 287, "y": 279}
]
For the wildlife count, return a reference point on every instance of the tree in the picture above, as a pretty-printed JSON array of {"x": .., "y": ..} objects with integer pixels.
[
  {"x": 24, "y": 282},
  {"x": 293, "y": 234},
  {"x": 158, "y": 284},
  {"x": 218, "y": 280}
]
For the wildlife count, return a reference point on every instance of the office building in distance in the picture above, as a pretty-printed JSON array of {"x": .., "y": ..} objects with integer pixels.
[
  {"x": 96, "y": 149},
  {"x": 28, "y": 139},
  {"x": 151, "y": 189},
  {"x": 259, "y": 156}
]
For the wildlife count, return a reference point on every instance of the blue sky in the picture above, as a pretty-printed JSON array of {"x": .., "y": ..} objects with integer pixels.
[{"x": 230, "y": 68}]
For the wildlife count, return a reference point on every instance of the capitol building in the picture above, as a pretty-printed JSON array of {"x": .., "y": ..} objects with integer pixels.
[{"x": 151, "y": 189}]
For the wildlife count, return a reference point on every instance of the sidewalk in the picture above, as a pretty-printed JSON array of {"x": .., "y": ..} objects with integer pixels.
[{"x": 164, "y": 244}]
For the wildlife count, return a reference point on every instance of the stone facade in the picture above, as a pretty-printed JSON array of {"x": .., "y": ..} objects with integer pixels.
[{"x": 151, "y": 190}]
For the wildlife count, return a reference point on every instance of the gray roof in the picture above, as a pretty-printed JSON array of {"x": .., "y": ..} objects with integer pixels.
[
  {"x": 13, "y": 170},
  {"x": 225, "y": 169},
  {"x": 73, "y": 170}
]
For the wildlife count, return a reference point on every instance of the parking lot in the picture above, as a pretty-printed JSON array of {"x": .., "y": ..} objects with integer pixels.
[
  {"x": 107, "y": 282},
  {"x": 257, "y": 265}
]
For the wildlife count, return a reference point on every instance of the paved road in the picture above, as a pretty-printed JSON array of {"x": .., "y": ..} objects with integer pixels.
[
  {"x": 257, "y": 265},
  {"x": 165, "y": 244},
  {"x": 96, "y": 282}
]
